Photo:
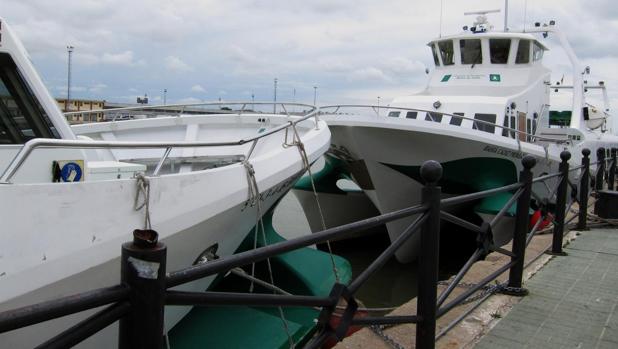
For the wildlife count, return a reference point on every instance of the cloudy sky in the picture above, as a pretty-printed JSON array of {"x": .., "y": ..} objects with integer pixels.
[{"x": 353, "y": 50}]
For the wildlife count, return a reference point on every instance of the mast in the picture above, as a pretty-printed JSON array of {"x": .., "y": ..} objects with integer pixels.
[{"x": 506, "y": 15}]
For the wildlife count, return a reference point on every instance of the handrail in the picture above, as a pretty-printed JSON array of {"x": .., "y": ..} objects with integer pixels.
[
  {"x": 556, "y": 140},
  {"x": 35, "y": 143},
  {"x": 184, "y": 105}
]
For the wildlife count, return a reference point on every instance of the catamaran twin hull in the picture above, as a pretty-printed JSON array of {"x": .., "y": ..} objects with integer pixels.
[{"x": 386, "y": 155}]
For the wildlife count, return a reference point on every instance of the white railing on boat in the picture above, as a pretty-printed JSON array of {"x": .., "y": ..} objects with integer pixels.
[
  {"x": 376, "y": 109},
  {"x": 36, "y": 143},
  {"x": 179, "y": 109}
]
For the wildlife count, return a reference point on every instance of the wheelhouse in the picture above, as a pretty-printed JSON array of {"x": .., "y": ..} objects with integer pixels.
[{"x": 486, "y": 49}]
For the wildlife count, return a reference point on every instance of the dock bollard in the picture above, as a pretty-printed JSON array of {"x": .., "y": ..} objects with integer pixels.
[
  {"x": 556, "y": 248},
  {"x": 611, "y": 180},
  {"x": 584, "y": 186},
  {"x": 143, "y": 271},
  {"x": 514, "y": 287},
  {"x": 598, "y": 181},
  {"x": 431, "y": 171}
]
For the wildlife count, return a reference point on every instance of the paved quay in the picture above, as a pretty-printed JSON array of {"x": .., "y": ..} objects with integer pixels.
[{"x": 572, "y": 301}]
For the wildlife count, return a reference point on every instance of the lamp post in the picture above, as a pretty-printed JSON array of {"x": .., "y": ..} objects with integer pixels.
[
  {"x": 70, "y": 53},
  {"x": 164, "y": 96},
  {"x": 378, "y": 105},
  {"x": 315, "y": 94},
  {"x": 252, "y": 101},
  {"x": 275, "y": 98}
]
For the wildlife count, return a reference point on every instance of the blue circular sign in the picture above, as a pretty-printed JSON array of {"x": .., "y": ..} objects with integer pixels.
[{"x": 71, "y": 172}]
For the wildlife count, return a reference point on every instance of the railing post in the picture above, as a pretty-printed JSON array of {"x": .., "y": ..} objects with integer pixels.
[
  {"x": 598, "y": 182},
  {"x": 584, "y": 186},
  {"x": 522, "y": 219},
  {"x": 556, "y": 248},
  {"x": 611, "y": 180},
  {"x": 143, "y": 271},
  {"x": 431, "y": 171}
]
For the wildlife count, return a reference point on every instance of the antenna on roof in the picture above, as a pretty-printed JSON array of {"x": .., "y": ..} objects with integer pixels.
[
  {"x": 481, "y": 24},
  {"x": 506, "y": 15},
  {"x": 441, "y": 3}
]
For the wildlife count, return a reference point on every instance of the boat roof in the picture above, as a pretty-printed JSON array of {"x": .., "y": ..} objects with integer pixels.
[{"x": 490, "y": 34}]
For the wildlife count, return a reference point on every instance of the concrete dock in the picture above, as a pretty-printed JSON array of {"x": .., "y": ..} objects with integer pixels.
[{"x": 572, "y": 302}]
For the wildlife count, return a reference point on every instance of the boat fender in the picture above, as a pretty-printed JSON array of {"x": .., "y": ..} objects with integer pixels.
[{"x": 538, "y": 214}]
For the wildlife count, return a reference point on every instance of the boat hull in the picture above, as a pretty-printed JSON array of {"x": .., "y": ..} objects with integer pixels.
[
  {"x": 385, "y": 160},
  {"x": 226, "y": 229}
]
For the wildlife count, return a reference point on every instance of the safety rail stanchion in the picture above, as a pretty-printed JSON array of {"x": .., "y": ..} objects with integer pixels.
[
  {"x": 143, "y": 270},
  {"x": 584, "y": 187},
  {"x": 600, "y": 169},
  {"x": 516, "y": 271},
  {"x": 431, "y": 171},
  {"x": 556, "y": 247},
  {"x": 611, "y": 179}
]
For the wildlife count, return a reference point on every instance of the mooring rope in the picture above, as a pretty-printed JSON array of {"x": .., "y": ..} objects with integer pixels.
[
  {"x": 143, "y": 187},
  {"x": 254, "y": 199},
  {"x": 307, "y": 166}
]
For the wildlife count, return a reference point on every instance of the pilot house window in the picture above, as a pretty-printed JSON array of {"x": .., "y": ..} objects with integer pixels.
[
  {"x": 432, "y": 116},
  {"x": 446, "y": 52},
  {"x": 499, "y": 50},
  {"x": 394, "y": 114},
  {"x": 523, "y": 52},
  {"x": 537, "y": 52},
  {"x": 434, "y": 51},
  {"x": 471, "y": 52}
]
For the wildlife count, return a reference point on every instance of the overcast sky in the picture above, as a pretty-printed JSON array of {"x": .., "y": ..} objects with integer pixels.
[{"x": 353, "y": 50}]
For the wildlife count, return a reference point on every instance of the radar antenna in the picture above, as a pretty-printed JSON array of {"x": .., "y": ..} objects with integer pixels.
[{"x": 481, "y": 24}]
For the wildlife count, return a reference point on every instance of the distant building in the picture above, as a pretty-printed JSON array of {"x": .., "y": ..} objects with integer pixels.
[{"x": 79, "y": 105}]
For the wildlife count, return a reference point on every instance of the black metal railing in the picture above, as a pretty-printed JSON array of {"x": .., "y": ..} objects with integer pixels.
[{"x": 139, "y": 301}]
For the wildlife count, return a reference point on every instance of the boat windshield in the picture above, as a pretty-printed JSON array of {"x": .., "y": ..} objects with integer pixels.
[
  {"x": 21, "y": 115},
  {"x": 499, "y": 50},
  {"x": 471, "y": 51},
  {"x": 434, "y": 51},
  {"x": 523, "y": 52},
  {"x": 446, "y": 52}
]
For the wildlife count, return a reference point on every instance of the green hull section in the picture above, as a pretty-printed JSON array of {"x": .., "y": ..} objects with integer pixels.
[
  {"x": 473, "y": 175},
  {"x": 302, "y": 272}
]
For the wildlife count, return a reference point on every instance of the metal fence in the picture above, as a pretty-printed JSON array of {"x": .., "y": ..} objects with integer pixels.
[{"x": 139, "y": 301}]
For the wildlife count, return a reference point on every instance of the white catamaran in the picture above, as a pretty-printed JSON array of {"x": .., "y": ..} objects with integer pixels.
[
  {"x": 68, "y": 202},
  {"x": 485, "y": 106}
]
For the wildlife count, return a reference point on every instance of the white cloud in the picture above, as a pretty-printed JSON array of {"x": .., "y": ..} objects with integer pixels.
[
  {"x": 122, "y": 58},
  {"x": 198, "y": 88},
  {"x": 176, "y": 64},
  {"x": 368, "y": 74}
]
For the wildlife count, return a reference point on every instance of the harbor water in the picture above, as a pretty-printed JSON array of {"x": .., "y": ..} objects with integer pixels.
[{"x": 395, "y": 283}]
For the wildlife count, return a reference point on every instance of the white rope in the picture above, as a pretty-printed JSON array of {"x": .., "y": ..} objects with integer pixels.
[
  {"x": 143, "y": 188},
  {"x": 254, "y": 200},
  {"x": 307, "y": 166}
]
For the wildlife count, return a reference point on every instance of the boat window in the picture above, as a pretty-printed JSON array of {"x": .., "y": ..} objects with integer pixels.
[
  {"x": 537, "y": 52},
  {"x": 491, "y": 118},
  {"x": 446, "y": 52},
  {"x": 499, "y": 50},
  {"x": 433, "y": 116},
  {"x": 21, "y": 116},
  {"x": 505, "y": 132},
  {"x": 471, "y": 51},
  {"x": 394, "y": 114},
  {"x": 455, "y": 120},
  {"x": 534, "y": 127},
  {"x": 411, "y": 115},
  {"x": 523, "y": 52},
  {"x": 434, "y": 51}
]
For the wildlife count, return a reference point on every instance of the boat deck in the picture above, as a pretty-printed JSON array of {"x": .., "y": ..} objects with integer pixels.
[{"x": 572, "y": 302}]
